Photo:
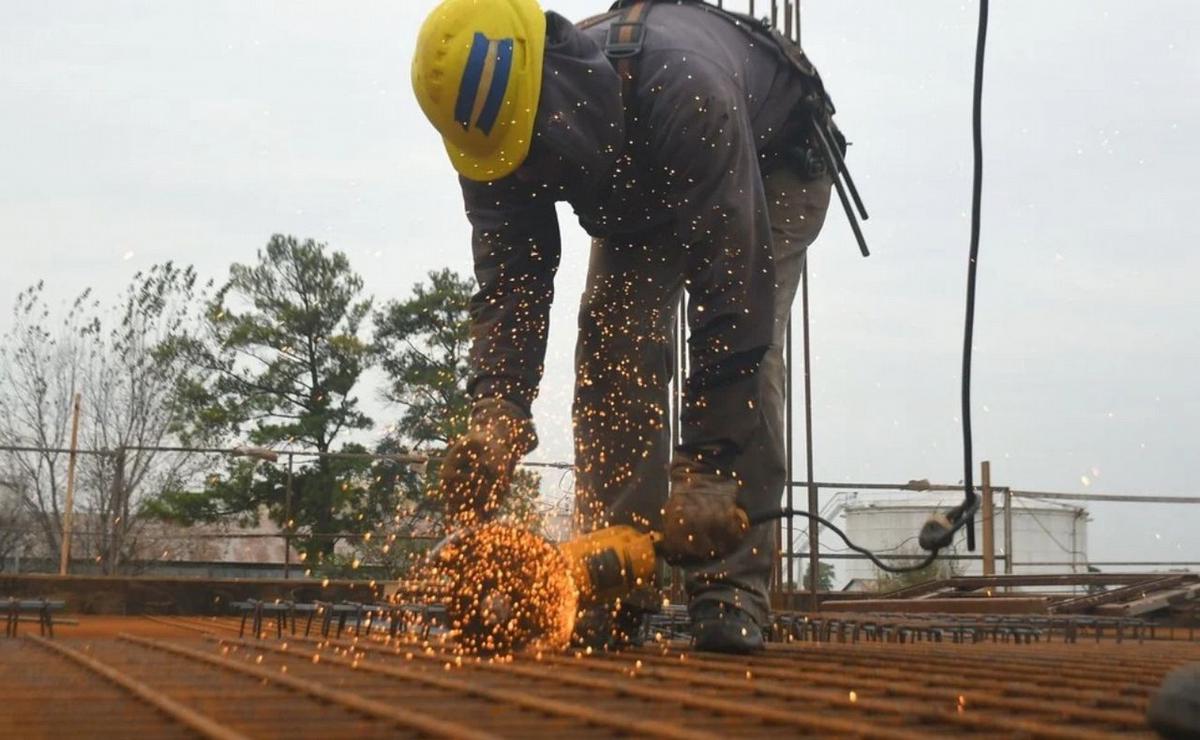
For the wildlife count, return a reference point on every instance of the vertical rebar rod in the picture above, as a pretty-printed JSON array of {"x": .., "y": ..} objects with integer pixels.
[
  {"x": 680, "y": 369},
  {"x": 790, "y": 443},
  {"x": 814, "y": 551}
]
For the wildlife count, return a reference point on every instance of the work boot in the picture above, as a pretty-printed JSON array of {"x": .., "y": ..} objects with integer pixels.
[
  {"x": 1175, "y": 710},
  {"x": 718, "y": 627},
  {"x": 609, "y": 630}
]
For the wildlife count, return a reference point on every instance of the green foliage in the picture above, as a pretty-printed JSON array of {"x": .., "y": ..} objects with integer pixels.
[
  {"x": 233, "y": 494},
  {"x": 423, "y": 345},
  {"x": 827, "y": 575},
  {"x": 281, "y": 355},
  {"x": 279, "y": 359},
  {"x": 283, "y": 346}
]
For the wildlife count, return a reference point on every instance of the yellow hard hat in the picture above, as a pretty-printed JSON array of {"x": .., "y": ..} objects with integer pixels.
[{"x": 477, "y": 74}]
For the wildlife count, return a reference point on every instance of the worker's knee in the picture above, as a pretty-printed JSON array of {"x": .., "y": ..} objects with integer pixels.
[{"x": 623, "y": 347}]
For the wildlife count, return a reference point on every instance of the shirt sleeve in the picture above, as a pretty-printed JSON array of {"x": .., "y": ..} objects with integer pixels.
[{"x": 516, "y": 246}]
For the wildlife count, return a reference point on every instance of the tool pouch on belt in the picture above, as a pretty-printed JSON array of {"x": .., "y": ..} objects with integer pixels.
[
  {"x": 477, "y": 471},
  {"x": 800, "y": 142}
]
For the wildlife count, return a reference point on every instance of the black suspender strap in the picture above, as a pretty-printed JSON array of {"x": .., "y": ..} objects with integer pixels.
[
  {"x": 626, "y": 37},
  {"x": 627, "y": 33}
]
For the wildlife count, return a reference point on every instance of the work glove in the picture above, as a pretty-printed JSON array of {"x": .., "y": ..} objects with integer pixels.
[
  {"x": 702, "y": 520},
  {"x": 477, "y": 471}
]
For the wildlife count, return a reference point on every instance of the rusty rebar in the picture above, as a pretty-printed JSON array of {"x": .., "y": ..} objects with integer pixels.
[
  {"x": 183, "y": 714},
  {"x": 318, "y": 687},
  {"x": 522, "y": 699},
  {"x": 400, "y": 716}
]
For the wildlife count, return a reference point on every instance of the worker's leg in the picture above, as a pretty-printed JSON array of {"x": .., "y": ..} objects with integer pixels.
[
  {"x": 623, "y": 369},
  {"x": 797, "y": 207}
]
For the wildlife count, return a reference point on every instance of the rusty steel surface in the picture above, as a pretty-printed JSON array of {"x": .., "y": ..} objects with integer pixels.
[
  {"x": 176, "y": 710},
  {"x": 904, "y": 627},
  {"x": 968, "y": 584},
  {"x": 196, "y": 677}
]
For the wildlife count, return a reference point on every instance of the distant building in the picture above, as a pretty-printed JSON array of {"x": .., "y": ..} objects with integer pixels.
[{"x": 1043, "y": 532}]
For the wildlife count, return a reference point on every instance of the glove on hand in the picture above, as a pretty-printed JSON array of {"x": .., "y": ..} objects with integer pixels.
[
  {"x": 477, "y": 471},
  {"x": 702, "y": 520}
]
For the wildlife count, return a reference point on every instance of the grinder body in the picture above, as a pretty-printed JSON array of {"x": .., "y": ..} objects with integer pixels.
[{"x": 611, "y": 563}]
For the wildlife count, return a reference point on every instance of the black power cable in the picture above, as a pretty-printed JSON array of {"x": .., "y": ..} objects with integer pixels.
[
  {"x": 939, "y": 531},
  {"x": 970, "y": 500},
  {"x": 779, "y": 513}
]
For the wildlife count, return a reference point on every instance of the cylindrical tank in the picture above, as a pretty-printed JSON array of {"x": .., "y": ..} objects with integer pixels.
[{"x": 1042, "y": 532}]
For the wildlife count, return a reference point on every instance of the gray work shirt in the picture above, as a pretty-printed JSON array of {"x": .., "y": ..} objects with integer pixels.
[{"x": 710, "y": 96}]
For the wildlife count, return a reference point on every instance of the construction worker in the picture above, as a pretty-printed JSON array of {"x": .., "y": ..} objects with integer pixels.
[{"x": 681, "y": 135}]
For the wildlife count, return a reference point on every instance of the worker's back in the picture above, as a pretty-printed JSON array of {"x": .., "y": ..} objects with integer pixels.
[
  {"x": 695, "y": 66},
  {"x": 681, "y": 36},
  {"x": 710, "y": 97},
  {"x": 691, "y": 57}
]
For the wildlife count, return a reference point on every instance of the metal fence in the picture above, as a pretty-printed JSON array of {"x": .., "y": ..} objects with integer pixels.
[
  {"x": 996, "y": 555},
  {"x": 118, "y": 516}
]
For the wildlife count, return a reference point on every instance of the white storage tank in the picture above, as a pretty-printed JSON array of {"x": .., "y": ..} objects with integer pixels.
[{"x": 1043, "y": 532}]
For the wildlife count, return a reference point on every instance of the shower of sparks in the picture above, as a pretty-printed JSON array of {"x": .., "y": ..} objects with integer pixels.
[{"x": 506, "y": 589}]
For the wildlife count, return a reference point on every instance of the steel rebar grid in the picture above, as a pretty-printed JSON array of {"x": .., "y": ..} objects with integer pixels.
[
  {"x": 732, "y": 677},
  {"x": 819, "y": 689}
]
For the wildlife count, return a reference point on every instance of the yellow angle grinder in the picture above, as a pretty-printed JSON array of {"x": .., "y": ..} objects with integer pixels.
[{"x": 508, "y": 588}]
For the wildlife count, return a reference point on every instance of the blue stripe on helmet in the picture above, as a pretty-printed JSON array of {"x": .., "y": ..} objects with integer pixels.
[
  {"x": 468, "y": 88},
  {"x": 491, "y": 106}
]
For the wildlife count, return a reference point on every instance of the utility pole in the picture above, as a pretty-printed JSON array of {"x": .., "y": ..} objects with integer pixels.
[
  {"x": 989, "y": 532},
  {"x": 64, "y": 557}
]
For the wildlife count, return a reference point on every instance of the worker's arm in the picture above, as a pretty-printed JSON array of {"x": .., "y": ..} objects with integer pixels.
[{"x": 516, "y": 247}]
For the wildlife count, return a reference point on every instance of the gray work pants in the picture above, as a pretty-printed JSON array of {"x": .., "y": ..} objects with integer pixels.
[{"x": 624, "y": 363}]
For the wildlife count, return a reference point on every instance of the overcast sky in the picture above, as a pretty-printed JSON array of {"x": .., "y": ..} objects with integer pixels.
[{"x": 137, "y": 132}]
